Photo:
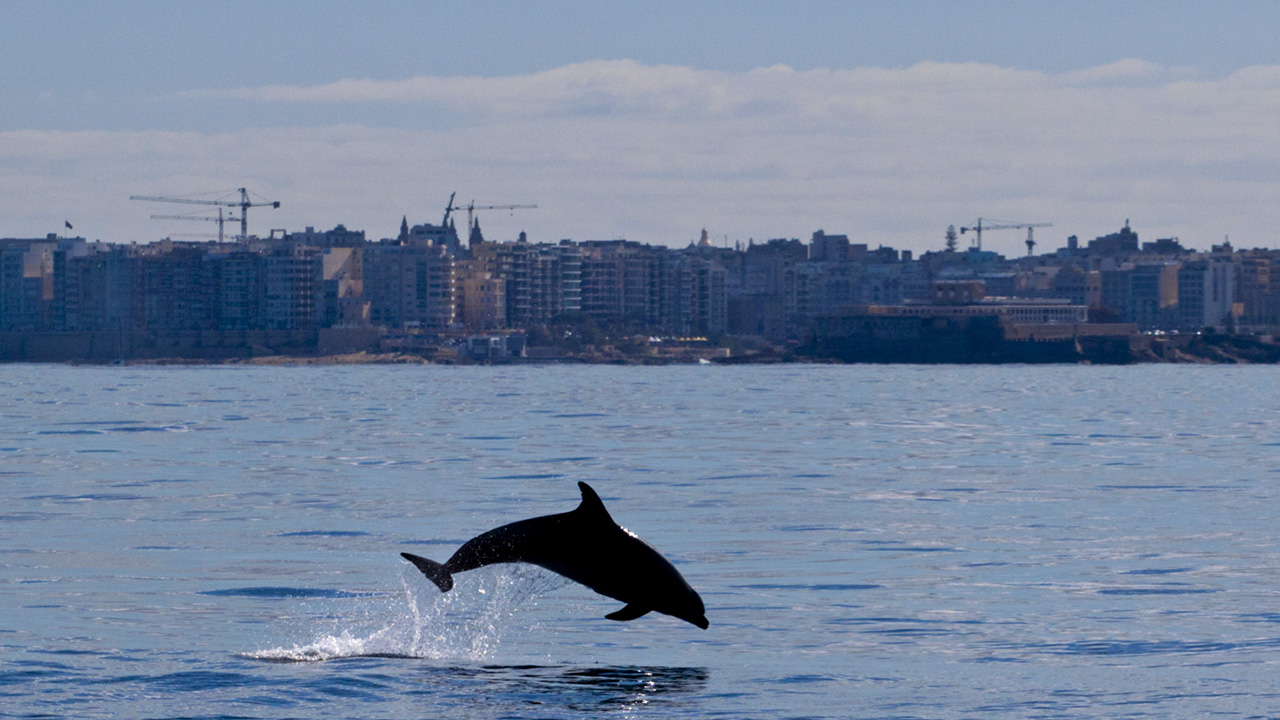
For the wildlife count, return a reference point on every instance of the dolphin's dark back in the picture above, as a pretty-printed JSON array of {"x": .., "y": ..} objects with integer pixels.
[
  {"x": 586, "y": 546},
  {"x": 524, "y": 541}
]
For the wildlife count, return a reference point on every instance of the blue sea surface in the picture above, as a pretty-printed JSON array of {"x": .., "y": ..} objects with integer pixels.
[{"x": 870, "y": 541}]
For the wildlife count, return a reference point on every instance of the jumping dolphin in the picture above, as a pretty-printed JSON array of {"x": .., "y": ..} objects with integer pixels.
[{"x": 588, "y": 547}]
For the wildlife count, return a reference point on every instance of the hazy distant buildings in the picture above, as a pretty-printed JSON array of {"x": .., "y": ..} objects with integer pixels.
[
  {"x": 343, "y": 276},
  {"x": 424, "y": 284},
  {"x": 543, "y": 281},
  {"x": 1206, "y": 293},
  {"x": 294, "y": 290},
  {"x": 829, "y": 248},
  {"x": 1153, "y": 295},
  {"x": 338, "y": 237},
  {"x": 1080, "y": 286},
  {"x": 481, "y": 301},
  {"x": 1123, "y": 242},
  {"x": 26, "y": 285},
  {"x": 1259, "y": 302},
  {"x": 178, "y": 289},
  {"x": 618, "y": 282},
  {"x": 410, "y": 285},
  {"x": 691, "y": 298},
  {"x": 102, "y": 290},
  {"x": 241, "y": 291}
]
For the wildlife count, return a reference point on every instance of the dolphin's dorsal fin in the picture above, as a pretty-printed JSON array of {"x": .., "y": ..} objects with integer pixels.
[
  {"x": 592, "y": 506},
  {"x": 630, "y": 612}
]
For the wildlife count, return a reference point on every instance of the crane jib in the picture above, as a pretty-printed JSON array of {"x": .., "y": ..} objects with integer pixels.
[{"x": 244, "y": 203}]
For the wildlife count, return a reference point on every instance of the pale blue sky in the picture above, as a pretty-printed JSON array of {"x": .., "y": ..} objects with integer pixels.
[
  {"x": 111, "y": 65},
  {"x": 84, "y": 85}
]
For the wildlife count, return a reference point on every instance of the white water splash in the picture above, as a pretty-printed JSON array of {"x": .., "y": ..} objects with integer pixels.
[{"x": 466, "y": 623}]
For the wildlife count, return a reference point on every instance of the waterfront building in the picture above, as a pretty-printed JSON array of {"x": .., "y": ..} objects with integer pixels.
[
  {"x": 618, "y": 282},
  {"x": 555, "y": 281},
  {"x": 495, "y": 346},
  {"x": 1153, "y": 295},
  {"x": 427, "y": 282},
  {"x": 1019, "y": 311},
  {"x": 343, "y": 277},
  {"x": 178, "y": 286},
  {"x": 1116, "y": 282},
  {"x": 481, "y": 291},
  {"x": 102, "y": 290},
  {"x": 26, "y": 285},
  {"x": 482, "y": 298},
  {"x": 1256, "y": 291},
  {"x": 33, "y": 280},
  {"x": 1080, "y": 286},
  {"x": 242, "y": 287},
  {"x": 410, "y": 285},
  {"x": 542, "y": 281},
  {"x": 769, "y": 301},
  {"x": 1206, "y": 293},
  {"x": 690, "y": 295},
  {"x": 823, "y": 287},
  {"x": 294, "y": 289}
]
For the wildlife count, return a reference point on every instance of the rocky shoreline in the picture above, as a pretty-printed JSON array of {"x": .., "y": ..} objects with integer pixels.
[
  {"x": 1198, "y": 350},
  {"x": 965, "y": 347}
]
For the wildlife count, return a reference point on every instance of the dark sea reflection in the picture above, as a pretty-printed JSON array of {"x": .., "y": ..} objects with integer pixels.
[{"x": 579, "y": 689}]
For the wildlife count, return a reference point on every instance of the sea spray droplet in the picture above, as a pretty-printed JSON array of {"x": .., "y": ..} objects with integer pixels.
[{"x": 465, "y": 625}]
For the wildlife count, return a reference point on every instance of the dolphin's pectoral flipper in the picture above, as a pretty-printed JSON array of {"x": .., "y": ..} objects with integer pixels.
[
  {"x": 433, "y": 570},
  {"x": 630, "y": 612}
]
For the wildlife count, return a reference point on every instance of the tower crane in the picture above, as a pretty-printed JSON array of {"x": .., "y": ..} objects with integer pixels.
[
  {"x": 206, "y": 218},
  {"x": 979, "y": 226},
  {"x": 448, "y": 209},
  {"x": 472, "y": 207},
  {"x": 243, "y": 203}
]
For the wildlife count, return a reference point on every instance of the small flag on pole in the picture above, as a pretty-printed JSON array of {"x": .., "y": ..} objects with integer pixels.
[{"x": 67, "y": 223}]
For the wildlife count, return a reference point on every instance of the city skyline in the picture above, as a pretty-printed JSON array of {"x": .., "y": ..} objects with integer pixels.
[{"x": 878, "y": 120}]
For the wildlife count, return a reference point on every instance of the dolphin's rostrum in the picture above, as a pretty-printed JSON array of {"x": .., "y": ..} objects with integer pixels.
[{"x": 586, "y": 546}]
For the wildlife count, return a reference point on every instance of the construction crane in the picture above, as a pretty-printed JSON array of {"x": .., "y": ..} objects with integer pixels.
[
  {"x": 243, "y": 203},
  {"x": 448, "y": 209},
  {"x": 203, "y": 218},
  {"x": 472, "y": 207},
  {"x": 979, "y": 226}
]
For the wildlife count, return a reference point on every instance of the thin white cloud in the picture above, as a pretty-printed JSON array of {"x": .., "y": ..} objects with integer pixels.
[
  {"x": 1131, "y": 70},
  {"x": 609, "y": 148},
  {"x": 592, "y": 87},
  {"x": 626, "y": 86}
]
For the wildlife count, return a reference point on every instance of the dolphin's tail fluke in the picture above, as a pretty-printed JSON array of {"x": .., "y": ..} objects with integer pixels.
[{"x": 433, "y": 570}]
